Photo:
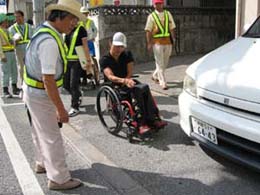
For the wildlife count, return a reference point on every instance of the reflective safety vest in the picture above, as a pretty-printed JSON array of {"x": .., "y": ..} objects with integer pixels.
[
  {"x": 71, "y": 47},
  {"x": 8, "y": 46},
  {"x": 29, "y": 79},
  {"x": 25, "y": 36},
  {"x": 87, "y": 24},
  {"x": 164, "y": 32}
]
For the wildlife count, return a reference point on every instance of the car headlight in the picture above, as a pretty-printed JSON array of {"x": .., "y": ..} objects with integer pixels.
[{"x": 189, "y": 85}]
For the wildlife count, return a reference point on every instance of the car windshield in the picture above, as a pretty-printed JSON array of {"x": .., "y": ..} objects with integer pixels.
[{"x": 254, "y": 30}]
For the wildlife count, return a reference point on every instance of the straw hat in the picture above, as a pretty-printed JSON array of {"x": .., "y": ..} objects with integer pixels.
[{"x": 71, "y": 6}]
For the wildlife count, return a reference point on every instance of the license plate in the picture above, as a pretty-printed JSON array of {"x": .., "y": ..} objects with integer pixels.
[{"x": 205, "y": 130}]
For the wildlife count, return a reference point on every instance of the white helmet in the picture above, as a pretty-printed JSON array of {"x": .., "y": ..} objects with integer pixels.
[{"x": 84, "y": 9}]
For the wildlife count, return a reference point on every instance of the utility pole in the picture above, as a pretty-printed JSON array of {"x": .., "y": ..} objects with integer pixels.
[
  {"x": 38, "y": 11},
  {"x": 238, "y": 18}
]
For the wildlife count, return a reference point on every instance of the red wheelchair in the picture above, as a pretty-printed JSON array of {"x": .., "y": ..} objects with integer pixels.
[{"x": 117, "y": 110}]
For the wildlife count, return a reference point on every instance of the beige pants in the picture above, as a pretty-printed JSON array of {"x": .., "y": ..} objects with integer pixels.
[
  {"x": 47, "y": 138},
  {"x": 162, "y": 54},
  {"x": 20, "y": 53}
]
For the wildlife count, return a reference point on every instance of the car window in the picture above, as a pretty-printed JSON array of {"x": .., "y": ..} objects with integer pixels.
[{"x": 254, "y": 30}]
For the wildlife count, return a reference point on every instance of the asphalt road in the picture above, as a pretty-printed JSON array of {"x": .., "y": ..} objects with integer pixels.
[{"x": 171, "y": 163}]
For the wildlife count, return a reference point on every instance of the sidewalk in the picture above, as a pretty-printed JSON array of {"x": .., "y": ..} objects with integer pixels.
[{"x": 174, "y": 74}]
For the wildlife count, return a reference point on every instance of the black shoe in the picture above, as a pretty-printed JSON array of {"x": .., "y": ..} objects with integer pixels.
[
  {"x": 7, "y": 95},
  {"x": 16, "y": 91}
]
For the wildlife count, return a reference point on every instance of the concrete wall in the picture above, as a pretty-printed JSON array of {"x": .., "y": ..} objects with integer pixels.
[{"x": 199, "y": 30}]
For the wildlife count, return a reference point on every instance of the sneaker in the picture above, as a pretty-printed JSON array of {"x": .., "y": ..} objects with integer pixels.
[
  {"x": 155, "y": 80},
  {"x": 144, "y": 129},
  {"x": 16, "y": 91},
  {"x": 73, "y": 112},
  {"x": 159, "y": 124},
  {"x": 72, "y": 183},
  {"x": 7, "y": 94},
  {"x": 39, "y": 169}
]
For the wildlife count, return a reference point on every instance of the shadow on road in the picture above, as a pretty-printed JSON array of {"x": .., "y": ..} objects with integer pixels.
[{"x": 158, "y": 184}]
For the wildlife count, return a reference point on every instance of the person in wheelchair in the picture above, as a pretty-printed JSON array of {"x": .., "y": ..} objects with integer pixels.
[{"x": 117, "y": 67}]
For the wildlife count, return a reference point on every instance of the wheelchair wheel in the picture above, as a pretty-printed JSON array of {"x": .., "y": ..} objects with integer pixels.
[
  {"x": 96, "y": 71},
  {"x": 109, "y": 109}
]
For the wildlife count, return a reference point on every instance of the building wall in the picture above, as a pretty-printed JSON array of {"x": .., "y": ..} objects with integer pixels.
[{"x": 198, "y": 30}]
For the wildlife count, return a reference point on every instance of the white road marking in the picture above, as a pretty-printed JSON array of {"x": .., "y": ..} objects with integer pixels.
[
  {"x": 24, "y": 173},
  {"x": 12, "y": 104}
]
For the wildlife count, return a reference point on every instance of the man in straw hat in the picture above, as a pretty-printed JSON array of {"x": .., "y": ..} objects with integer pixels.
[{"x": 45, "y": 64}]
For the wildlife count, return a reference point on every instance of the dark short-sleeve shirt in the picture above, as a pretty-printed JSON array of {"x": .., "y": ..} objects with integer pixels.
[
  {"x": 82, "y": 34},
  {"x": 119, "y": 68}
]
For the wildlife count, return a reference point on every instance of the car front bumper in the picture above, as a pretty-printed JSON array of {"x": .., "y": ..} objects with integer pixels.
[{"x": 238, "y": 137}]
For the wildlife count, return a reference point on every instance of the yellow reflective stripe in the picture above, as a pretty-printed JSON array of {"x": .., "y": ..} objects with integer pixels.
[
  {"x": 88, "y": 23},
  {"x": 8, "y": 48},
  {"x": 26, "y": 33},
  {"x": 22, "y": 42},
  {"x": 164, "y": 32},
  {"x": 31, "y": 82},
  {"x": 70, "y": 55},
  {"x": 6, "y": 38},
  {"x": 59, "y": 82},
  {"x": 158, "y": 22},
  {"x": 38, "y": 84}
]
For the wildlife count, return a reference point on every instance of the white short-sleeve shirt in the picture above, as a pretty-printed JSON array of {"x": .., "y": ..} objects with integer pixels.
[{"x": 43, "y": 58}]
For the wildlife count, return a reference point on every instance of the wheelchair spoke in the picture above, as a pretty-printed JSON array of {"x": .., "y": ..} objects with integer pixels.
[{"x": 109, "y": 110}]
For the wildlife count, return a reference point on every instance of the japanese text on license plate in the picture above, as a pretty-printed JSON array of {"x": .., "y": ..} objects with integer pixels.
[{"x": 205, "y": 130}]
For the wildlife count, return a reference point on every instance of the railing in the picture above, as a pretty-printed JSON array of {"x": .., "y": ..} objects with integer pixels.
[
  {"x": 108, "y": 10},
  {"x": 129, "y": 10}
]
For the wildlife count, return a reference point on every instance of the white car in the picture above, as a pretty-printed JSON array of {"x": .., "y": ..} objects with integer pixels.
[{"x": 220, "y": 102}]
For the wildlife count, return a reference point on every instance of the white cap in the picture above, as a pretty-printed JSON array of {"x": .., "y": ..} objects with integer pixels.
[
  {"x": 119, "y": 39},
  {"x": 84, "y": 9}
]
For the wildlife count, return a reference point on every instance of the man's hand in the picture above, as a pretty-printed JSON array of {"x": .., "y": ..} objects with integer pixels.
[
  {"x": 149, "y": 46},
  {"x": 129, "y": 82},
  {"x": 62, "y": 116}
]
